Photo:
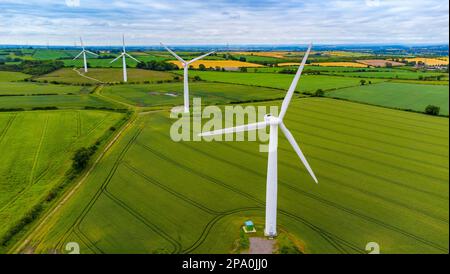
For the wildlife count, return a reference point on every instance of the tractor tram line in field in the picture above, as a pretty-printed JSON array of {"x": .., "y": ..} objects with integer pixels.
[
  {"x": 92, "y": 201},
  {"x": 414, "y": 149},
  {"x": 332, "y": 239},
  {"x": 368, "y": 138},
  {"x": 353, "y": 125},
  {"x": 356, "y": 106},
  {"x": 327, "y": 202},
  {"x": 370, "y": 120},
  {"x": 374, "y": 149},
  {"x": 7, "y": 126},
  {"x": 245, "y": 194},
  {"x": 360, "y": 190}
]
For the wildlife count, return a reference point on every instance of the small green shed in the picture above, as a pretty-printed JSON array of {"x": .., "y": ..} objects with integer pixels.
[{"x": 249, "y": 226}]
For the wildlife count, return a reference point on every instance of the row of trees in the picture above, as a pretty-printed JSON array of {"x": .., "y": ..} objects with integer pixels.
[
  {"x": 157, "y": 65},
  {"x": 33, "y": 67}
]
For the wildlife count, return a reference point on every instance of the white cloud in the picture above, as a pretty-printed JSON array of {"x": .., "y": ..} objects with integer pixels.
[
  {"x": 225, "y": 21},
  {"x": 73, "y": 3}
]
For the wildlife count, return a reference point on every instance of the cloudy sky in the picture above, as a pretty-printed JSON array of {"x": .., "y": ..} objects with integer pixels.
[{"x": 147, "y": 22}]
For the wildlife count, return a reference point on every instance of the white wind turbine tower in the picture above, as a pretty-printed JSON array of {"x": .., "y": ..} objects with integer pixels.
[
  {"x": 83, "y": 52},
  {"x": 273, "y": 122},
  {"x": 185, "y": 65},
  {"x": 124, "y": 54}
]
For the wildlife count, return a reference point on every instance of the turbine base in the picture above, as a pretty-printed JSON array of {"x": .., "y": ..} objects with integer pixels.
[{"x": 270, "y": 234}]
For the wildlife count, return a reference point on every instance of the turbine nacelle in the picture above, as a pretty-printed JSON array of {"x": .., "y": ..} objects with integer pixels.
[{"x": 272, "y": 120}]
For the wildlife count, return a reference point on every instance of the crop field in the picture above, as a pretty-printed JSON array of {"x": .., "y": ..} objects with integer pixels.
[
  {"x": 8, "y": 76},
  {"x": 398, "y": 95},
  {"x": 340, "y": 64},
  {"x": 430, "y": 61},
  {"x": 393, "y": 74},
  {"x": 70, "y": 76},
  {"x": 59, "y": 101},
  {"x": 36, "y": 150},
  {"x": 52, "y": 54},
  {"x": 29, "y": 88},
  {"x": 310, "y": 83},
  {"x": 218, "y": 63},
  {"x": 172, "y": 93},
  {"x": 99, "y": 63},
  {"x": 383, "y": 176},
  {"x": 261, "y": 59},
  {"x": 274, "y": 54},
  {"x": 380, "y": 63},
  {"x": 345, "y": 53}
]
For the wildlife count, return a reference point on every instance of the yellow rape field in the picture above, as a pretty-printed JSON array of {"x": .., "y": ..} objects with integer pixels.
[
  {"x": 430, "y": 61},
  {"x": 219, "y": 63},
  {"x": 288, "y": 64},
  {"x": 275, "y": 54},
  {"x": 340, "y": 64}
]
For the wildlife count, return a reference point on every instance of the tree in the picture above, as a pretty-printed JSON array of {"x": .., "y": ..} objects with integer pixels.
[
  {"x": 242, "y": 59},
  {"x": 432, "y": 110},
  {"x": 243, "y": 69},
  {"x": 82, "y": 157},
  {"x": 157, "y": 65},
  {"x": 202, "y": 67},
  {"x": 362, "y": 82},
  {"x": 197, "y": 78},
  {"x": 319, "y": 93}
]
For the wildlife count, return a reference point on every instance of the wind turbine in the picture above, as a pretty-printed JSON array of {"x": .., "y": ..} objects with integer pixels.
[
  {"x": 273, "y": 122},
  {"x": 83, "y": 52},
  {"x": 185, "y": 65},
  {"x": 124, "y": 54}
]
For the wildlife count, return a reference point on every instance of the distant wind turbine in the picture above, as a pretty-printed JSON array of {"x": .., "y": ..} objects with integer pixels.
[
  {"x": 185, "y": 65},
  {"x": 272, "y": 169},
  {"x": 83, "y": 52},
  {"x": 124, "y": 54}
]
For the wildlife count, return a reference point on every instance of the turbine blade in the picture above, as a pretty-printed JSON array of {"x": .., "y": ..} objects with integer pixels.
[
  {"x": 90, "y": 52},
  {"x": 116, "y": 58},
  {"x": 79, "y": 54},
  {"x": 174, "y": 54},
  {"x": 81, "y": 41},
  {"x": 242, "y": 128},
  {"x": 297, "y": 149},
  {"x": 200, "y": 57},
  {"x": 293, "y": 86},
  {"x": 132, "y": 57}
]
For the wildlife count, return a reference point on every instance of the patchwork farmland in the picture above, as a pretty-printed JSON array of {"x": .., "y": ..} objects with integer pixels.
[
  {"x": 383, "y": 171},
  {"x": 119, "y": 208}
]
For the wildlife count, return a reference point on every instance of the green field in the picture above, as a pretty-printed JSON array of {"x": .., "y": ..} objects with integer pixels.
[
  {"x": 17, "y": 88},
  {"x": 381, "y": 73},
  {"x": 70, "y": 76},
  {"x": 309, "y": 83},
  {"x": 8, "y": 76},
  {"x": 52, "y": 54},
  {"x": 172, "y": 93},
  {"x": 36, "y": 149},
  {"x": 383, "y": 177},
  {"x": 59, "y": 101},
  {"x": 398, "y": 95},
  {"x": 394, "y": 74}
]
